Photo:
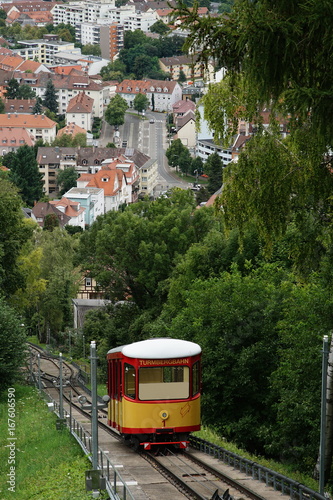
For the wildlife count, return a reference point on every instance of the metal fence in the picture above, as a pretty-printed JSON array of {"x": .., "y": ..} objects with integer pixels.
[{"x": 279, "y": 482}]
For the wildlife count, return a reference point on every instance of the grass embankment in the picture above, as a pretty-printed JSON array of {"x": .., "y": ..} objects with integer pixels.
[
  {"x": 283, "y": 469},
  {"x": 40, "y": 461}
]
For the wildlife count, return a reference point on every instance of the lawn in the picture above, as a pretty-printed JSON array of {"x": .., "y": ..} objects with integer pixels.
[{"x": 37, "y": 460}]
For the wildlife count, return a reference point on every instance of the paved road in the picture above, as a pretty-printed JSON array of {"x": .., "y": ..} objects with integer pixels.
[{"x": 149, "y": 138}]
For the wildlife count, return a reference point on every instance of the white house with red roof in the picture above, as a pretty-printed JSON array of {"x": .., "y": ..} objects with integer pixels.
[
  {"x": 162, "y": 94},
  {"x": 38, "y": 126},
  {"x": 132, "y": 174},
  {"x": 80, "y": 111},
  {"x": 71, "y": 209},
  {"x": 13, "y": 138},
  {"x": 114, "y": 184}
]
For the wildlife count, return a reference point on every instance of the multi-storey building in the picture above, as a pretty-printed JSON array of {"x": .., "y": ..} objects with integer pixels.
[
  {"x": 109, "y": 36},
  {"x": 74, "y": 13},
  {"x": 80, "y": 111},
  {"x": 43, "y": 50},
  {"x": 162, "y": 94},
  {"x": 38, "y": 126},
  {"x": 68, "y": 86},
  {"x": 139, "y": 172}
]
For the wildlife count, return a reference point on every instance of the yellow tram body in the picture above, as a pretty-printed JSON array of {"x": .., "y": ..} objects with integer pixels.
[{"x": 154, "y": 388}]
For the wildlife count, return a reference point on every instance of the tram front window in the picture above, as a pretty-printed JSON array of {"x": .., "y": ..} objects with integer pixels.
[
  {"x": 129, "y": 381},
  {"x": 164, "y": 382}
]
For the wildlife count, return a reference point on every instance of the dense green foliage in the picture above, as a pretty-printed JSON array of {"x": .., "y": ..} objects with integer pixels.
[
  {"x": 14, "y": 232},
  {"x": 66, "y": 179},
  {"x": 16, "y": 91},
  {"x": 12, "y": 338},
  {"x": 115, "y": 112},
  {"x": 140, "y": 103},
  {"x": 24, "y": 173},
  {"x": 50, "y": 100}
]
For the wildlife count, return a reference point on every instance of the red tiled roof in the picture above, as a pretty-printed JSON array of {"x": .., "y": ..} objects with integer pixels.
[
  {"x": 26, "y": 121},
  {"x": 71, "y": 208},
  {"x": 81, "y": 103},
  {"x": 71, "y": 129}
]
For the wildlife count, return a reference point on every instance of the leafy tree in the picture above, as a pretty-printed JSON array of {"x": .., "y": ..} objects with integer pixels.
[
  {"x": 50, "y": 97},
  {"x": 214, "y": 168},
  {"x": 51, "y": 221},
  {"x": 13, "y": 341},
  {"x": 134, "y": 38},
  {"x": 12, "y": 89},
  {"x": 159, "y": 27},
  {"x": 91, "y": 49},
  {"x": 197, "y": 167},
  {"x": 66, "y": 179},
  {"x": 56, "y": 267},
  {"x": 297, "y": 380},
  {"x": 2, "y": 106},
  {"x": 24, "y": 173},
  {"x": 131, "y": 253},
  {"x": 113, "y": 71},
  {"x": 80, "y": 139},
  {"x": 185, "y": 161},
  {"x": 26, "y": 92},
  {"x": 238, "y": 315},
  {"x": 3, "y": 14},
  {"x": 174, "y": 151},
  {"x": 226, "y": 6},
  {"x": 182, "y": 77},
  {"x": 140, "y": 103},
  {"x": 115, "y": 112},
  {"x": 14, "y": 232}
]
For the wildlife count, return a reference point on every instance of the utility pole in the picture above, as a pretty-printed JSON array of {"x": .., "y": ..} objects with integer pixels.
[{"x": 325, "y": 353}]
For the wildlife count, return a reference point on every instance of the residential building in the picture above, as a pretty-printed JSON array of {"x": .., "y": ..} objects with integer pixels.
[
  {"x": 192, "y": 68},
  {"x": 80, "y": 111},
  {"x": 42, "y": 209},
  {"x": 74, "y": 13},
  {"x": 113, "y": 181},
  {"x": 162, "y": 94},
  {"x": 38, "y": 126},
  {"x": 43, "y": 50},
  {"x": 50, "y": 161},
  {"x": 72, "y": 209},
  {"x": 69, "y": 86},
  {"x": 206, "y": 147},
  {"x": 88, "y": 160},
  {"x": 186, "y": 130},
  {"x": 91, "y": 199},
  {"x": 13, "y": 138},
  {"x": 148, "y": 178},
  {"x": 14, "y": 62},
  {"x": 19, "y": 106},
  {"x": 180, "y": 108}
]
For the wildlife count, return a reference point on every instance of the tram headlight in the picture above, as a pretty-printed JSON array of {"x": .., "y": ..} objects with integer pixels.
[{"x": 164, "y": 414}]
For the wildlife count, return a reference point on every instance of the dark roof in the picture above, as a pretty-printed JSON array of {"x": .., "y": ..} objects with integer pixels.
[
  {"x": 42, "y": 209},
  {"x": 90, "y": 154}
]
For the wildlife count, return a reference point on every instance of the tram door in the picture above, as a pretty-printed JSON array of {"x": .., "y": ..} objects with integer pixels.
[{"x": 117, "y": 396}]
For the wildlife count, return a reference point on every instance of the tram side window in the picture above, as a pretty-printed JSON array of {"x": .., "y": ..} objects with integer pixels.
[
  {"x": 129, "y": 381},
  {"x": 196, "y": 378}
]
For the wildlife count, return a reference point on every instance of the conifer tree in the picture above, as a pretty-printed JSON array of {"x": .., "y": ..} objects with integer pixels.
[{"x": 50, "y": 97}]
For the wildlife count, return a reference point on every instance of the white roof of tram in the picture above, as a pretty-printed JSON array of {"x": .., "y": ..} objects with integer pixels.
[{"x": 159, "y": 348}]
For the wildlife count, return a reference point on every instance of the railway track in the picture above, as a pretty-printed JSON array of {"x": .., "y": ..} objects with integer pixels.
[
  {"x": 196, "y": 479},
  {"x": 191, "y": 473}
]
